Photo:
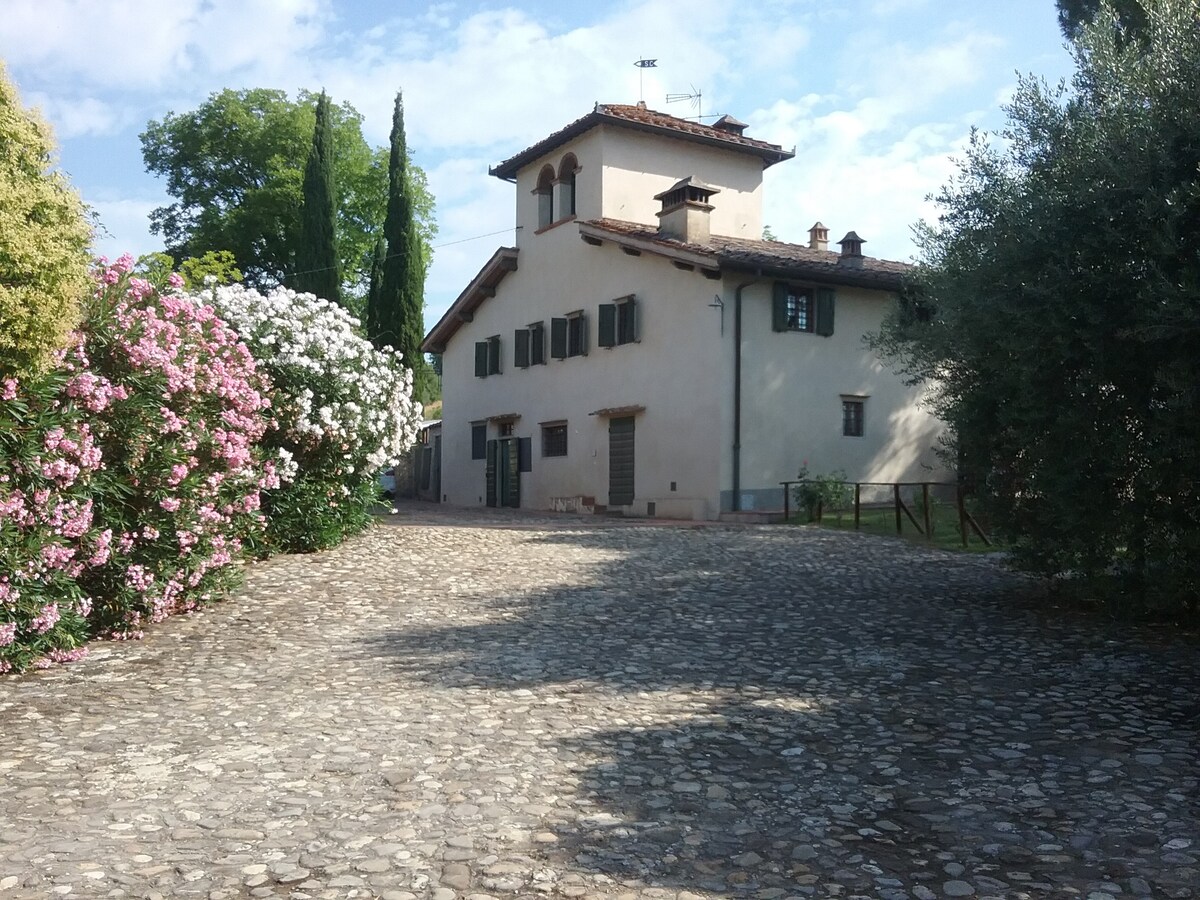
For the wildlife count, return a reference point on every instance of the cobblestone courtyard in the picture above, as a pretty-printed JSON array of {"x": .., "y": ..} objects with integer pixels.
[{"x": 508, "y": 706}]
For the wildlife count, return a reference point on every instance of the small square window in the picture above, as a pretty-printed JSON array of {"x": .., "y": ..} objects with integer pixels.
[
  {"x": 852, "y": 418},
  {"x": 554, "y": 440}
]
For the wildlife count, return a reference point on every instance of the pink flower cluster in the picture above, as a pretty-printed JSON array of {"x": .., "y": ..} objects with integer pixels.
[{"x": 159, "y": 395}]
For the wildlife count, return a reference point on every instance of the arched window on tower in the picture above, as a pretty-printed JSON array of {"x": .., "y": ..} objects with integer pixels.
[
  {"x": 545, "y": 197},
  {"x": 566, "y": 182}
]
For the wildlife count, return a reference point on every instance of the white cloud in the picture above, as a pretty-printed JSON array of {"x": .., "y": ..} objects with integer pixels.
[
  {"x": 123, "y": 226},
  {"x": 85, "y": 116}
]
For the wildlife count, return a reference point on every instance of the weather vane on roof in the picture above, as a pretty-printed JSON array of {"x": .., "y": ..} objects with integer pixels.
[{"x": 642, "y": 65}]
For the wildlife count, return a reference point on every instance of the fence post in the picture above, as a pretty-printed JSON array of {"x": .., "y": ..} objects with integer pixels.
[
  {"x": 928, "y": 512},
  {"x": 962, "y": 513},
  {"x": 896, "y": 498},
  {"x": 857, "y": 495}
]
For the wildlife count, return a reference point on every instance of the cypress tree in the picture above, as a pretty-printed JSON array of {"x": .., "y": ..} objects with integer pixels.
[
  {"x": 373, "y": 292},
  {"x": 401, "y": 300},
  {"x": 316, "y": 256}
]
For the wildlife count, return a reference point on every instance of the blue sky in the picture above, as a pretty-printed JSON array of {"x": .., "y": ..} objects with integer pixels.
[{"x": 876, "y": 96}]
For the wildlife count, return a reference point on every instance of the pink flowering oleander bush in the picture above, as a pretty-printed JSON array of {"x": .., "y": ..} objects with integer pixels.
[
  {"x": 343, "y": 411},
  {"x": 132, "y": 472}
]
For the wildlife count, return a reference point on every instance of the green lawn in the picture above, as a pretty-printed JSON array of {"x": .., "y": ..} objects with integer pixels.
[{"x": 882, "y": 521}]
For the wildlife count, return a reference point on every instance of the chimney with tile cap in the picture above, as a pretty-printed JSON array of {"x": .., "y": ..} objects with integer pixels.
[
  {"x": 851, "y": 256},
  {"x": 818, "y": 237},
  {"x": 685, "y": 211}
]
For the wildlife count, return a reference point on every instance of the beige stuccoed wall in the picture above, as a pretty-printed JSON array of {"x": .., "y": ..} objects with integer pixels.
[
  {"x": 620, "y": 171},
  {"x": 679, "y": 371},
  {"x": 792, "y": 387}
]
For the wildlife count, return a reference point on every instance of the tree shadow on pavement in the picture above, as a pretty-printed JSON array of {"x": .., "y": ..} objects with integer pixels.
[{"x": 812, "y": 708}]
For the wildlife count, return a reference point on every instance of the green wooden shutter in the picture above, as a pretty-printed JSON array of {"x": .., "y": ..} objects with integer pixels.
[
  {"x": 558, "y": 338},
  {"x": 525, "y": 453},
  {"x": 583, "y": 335},
  {"x": 825, "y": 304},
  {"x": 631, "y": 332},
  {"x": 537, "y": 345},
  {"x": 493, "y": 356},
  {"x": 481, "y": 359},
  {"x": 478, "y": 441},
  {"x": 521, "y": 348},
  {"x": 608, "y": 325},
  {"x": 490, "y": 472},
  {"x": 779, "y": 310}
]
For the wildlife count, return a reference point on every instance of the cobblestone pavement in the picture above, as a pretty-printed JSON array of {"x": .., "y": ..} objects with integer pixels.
[{"x": 490, "y": 705}]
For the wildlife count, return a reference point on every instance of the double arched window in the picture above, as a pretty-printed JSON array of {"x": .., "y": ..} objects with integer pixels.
[{"x": 556, "y": 192}]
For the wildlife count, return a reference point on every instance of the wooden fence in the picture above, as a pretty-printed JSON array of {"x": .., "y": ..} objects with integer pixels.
[{"x": 924, "y": 526}]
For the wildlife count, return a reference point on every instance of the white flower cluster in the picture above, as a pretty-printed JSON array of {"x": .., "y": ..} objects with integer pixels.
[{"x": 333, "y": 391}]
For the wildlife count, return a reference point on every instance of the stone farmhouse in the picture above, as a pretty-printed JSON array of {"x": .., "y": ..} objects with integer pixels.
[{"x": 641, "y": 349}]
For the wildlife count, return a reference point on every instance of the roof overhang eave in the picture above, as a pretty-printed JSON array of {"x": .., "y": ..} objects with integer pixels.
[
  {"x": 883, "y": 281},
  {"x": 697, "y": 258},
  {"x": 482, "y": 286}
]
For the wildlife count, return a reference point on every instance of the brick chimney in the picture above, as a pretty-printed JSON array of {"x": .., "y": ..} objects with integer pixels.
[
  {"x": 851, "y": 256},
  {"x": 818, "y": 237},
  {"x": 685, "y": 211}
]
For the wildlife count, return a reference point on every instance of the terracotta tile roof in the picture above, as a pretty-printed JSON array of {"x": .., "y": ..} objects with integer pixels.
[
  {"x": 771, "y": 257},
  {"x": 642, "y": 119}
]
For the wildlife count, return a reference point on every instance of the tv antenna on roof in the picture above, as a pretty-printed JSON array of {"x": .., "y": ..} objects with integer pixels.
[{"x": 695, "y": 97}]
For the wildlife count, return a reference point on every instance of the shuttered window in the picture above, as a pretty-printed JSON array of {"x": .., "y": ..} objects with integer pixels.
[
  {"x": 479, "y": 441},
  {"x": 487, "y": 357},
  {"x": 803, "y": 309},
  {"x": 617, "y": 322},
  {"x": 569, "y": 336}
]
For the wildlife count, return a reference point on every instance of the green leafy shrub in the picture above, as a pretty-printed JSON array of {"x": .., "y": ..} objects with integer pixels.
[
  {"x": 342, "y": 411},
  {"x": 825, "y": 492},
  {"x": 130, "y": 473},
  {"x": 44, "y": 236}
]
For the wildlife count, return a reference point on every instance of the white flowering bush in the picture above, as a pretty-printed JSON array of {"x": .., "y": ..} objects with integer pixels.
[{"x": 343, "y": 411}]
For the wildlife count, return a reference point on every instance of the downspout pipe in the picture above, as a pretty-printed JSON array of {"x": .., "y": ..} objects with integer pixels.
[{"x": 737, "y": 394}]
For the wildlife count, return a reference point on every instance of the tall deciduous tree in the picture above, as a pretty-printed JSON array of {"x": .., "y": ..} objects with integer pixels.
[
  {"x": 399, "y": 320},
  {"x": 1058, "y": 313},
  {"x": 316, "y": 256},
  {"x": 44, "y": 237},
  {"x": 235, "y": 168}
]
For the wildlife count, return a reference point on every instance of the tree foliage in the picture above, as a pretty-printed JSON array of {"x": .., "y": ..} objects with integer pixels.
[
  {"x": 397, "y": 317},
  {"x": 235, "y": 168},
  {"x": 44, "y": 238},
  {"x": 316, "y": 259},
  {"x": 1129, "y": 16},
  {"x": 1056, "y": 313}
]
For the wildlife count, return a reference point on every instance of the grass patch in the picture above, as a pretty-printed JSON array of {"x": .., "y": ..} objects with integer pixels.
[{"x": 882, "y": 521}]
